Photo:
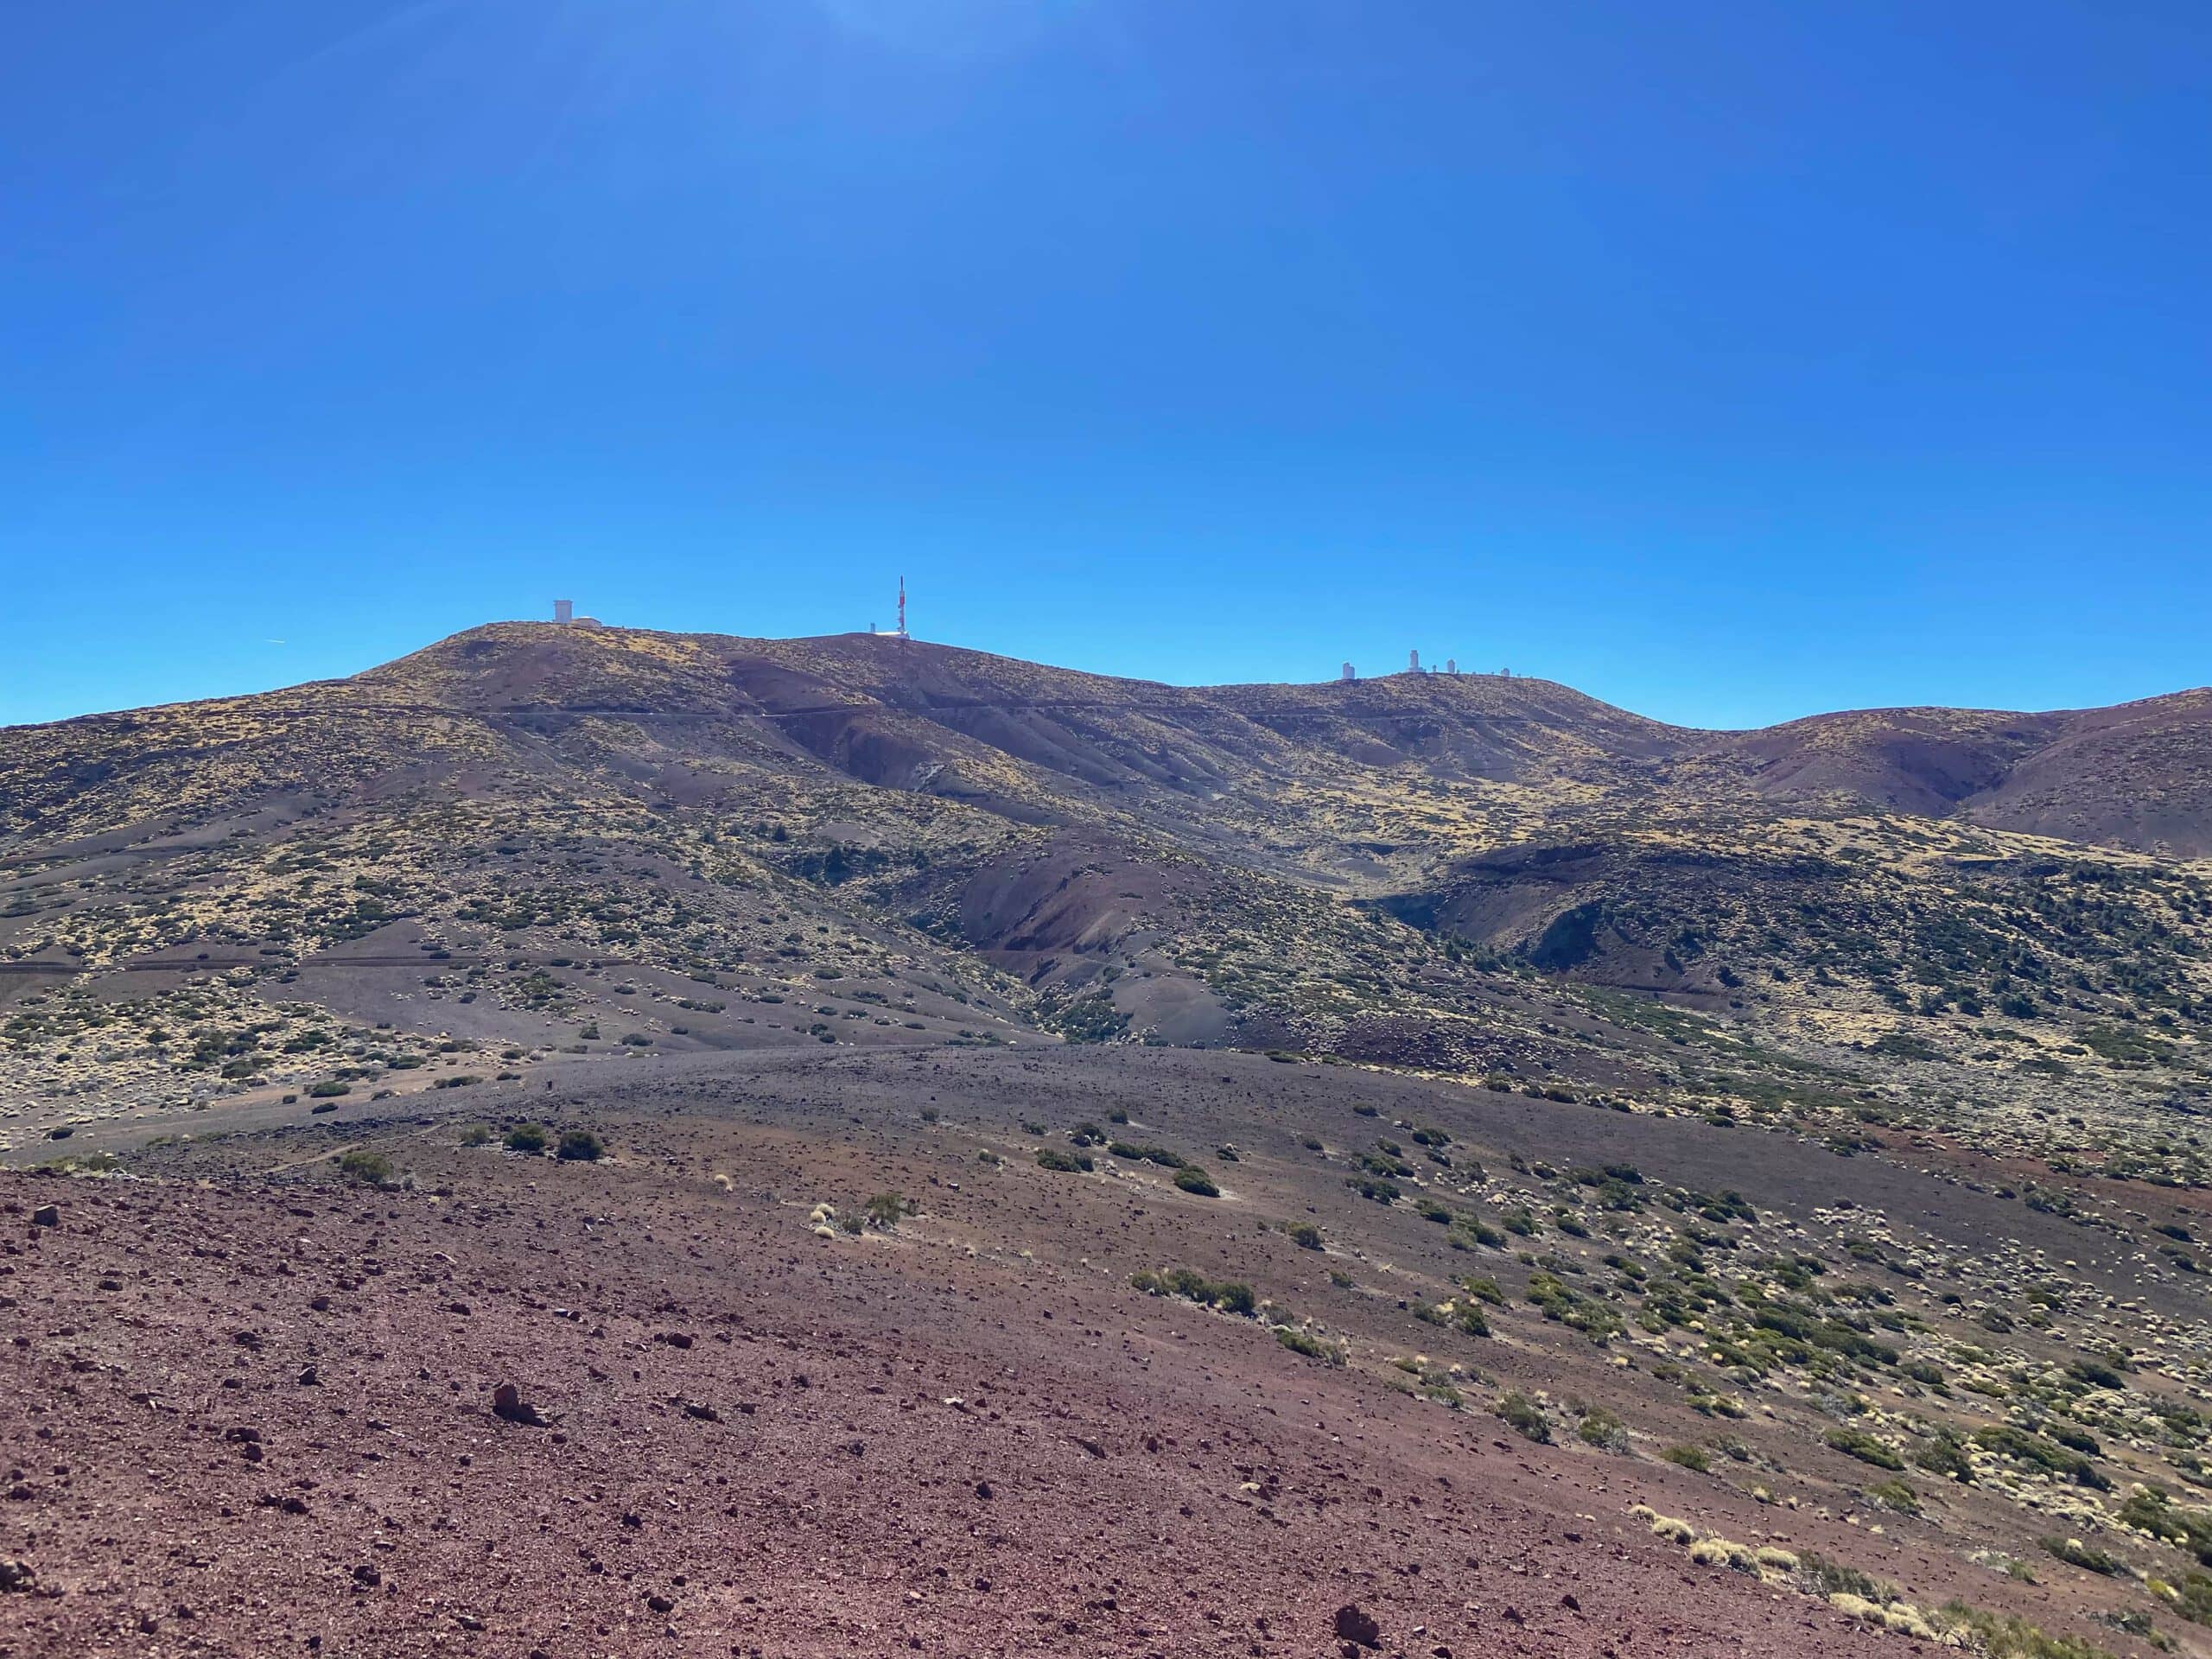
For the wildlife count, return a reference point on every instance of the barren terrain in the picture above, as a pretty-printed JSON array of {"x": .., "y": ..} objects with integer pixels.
[{"x": 1048, "y": 1164}]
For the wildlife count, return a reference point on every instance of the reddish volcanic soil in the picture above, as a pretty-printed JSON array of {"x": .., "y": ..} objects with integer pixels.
[{"x": 250, "y": 1406}]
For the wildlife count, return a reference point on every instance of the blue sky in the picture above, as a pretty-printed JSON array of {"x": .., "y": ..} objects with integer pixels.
[{"x": 1730, "y": 361}]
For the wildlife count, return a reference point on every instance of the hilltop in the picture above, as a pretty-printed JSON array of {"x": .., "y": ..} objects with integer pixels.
[{"x": 1364, "y": 867}]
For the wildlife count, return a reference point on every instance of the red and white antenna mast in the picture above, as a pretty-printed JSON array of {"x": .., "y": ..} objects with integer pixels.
[{"x": 902, "y": 608}]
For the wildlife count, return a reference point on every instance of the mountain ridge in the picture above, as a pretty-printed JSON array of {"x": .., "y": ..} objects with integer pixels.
[
  {"x": 1372, "y": 868},
  {"x": 2131, "y": 775}
]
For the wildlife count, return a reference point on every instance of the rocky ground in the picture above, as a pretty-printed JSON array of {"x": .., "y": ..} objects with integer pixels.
[{"x": 1015, "y": 1407}]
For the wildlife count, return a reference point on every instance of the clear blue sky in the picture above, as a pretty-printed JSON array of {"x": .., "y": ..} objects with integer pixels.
[{"x": 1729, "y": 361}]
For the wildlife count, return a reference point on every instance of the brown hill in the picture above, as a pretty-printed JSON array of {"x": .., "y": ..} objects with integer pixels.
[
  {"x": 2138, "y": 776},
  {"x": 1096, "y": 857}
]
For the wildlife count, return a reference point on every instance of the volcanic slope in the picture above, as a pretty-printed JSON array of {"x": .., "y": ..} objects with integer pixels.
[
  {"x": 1083, "y": 1351},
  {"x": 527, "y": 845}
]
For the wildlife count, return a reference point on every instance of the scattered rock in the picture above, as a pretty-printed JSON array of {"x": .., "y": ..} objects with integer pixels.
[
  {"x": 17, "y": 1576},
  {"x": 47, "y": 1215},
  {"x": 1355, "y": 1624},
  {"x": 507, "y": 1403}
]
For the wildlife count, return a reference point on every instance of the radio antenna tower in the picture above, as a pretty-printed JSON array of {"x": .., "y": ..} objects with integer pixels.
[{"x": 902, "y": 609}]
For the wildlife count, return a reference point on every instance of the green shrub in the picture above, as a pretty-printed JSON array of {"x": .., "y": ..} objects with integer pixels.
[
  {"x": 2023, "y": 1448},
  {"x": 1131, "y": 1153},
  {"x": 1468, "y": 1317},
  {"x": 1857, "y": 1443},
  {"x": 1690, "y": 1457},
  {"x": 1603, "y": 1429},
  {"x": 1191, "y": 1179},
  {"x": 2155, "y": 1512},
  {"x": 885, "y": 1209},
  {"x": 1945, "y": 1455},
  {"x": 528, "y": 1137},
  {"x": 1231, "y": 1296},
  {"x": 476, "y": 1134},
  {"x": 2193, "y": 1598},
  {"x": 1305, "y": 1234},
  {"x": 580, "y": 1146},
  {"x": 2087, "y": 1557},
  {"x": 1461, "y": 1316},
  {"x": 1593, "y": 1319},
  {"x": 369, "y": 1169},
  {"x": 328, "y": 1091},
  {"x": 1523, "y": 1416},
  {"x": 2002, "y": 1636},
  {"x": 1825, "y": 1578},
  {"x": 1299, "y": 1341},
  {"x": 1066, "y": 1162}
]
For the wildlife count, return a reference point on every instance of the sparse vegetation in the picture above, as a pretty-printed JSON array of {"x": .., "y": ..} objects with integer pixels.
[
  {"x": 1229, "y": 1297},
  {"x": 1522, "y": 1414},
  {"x": 367, "y": 1168},
  {"x": 580, "y": 1146}
]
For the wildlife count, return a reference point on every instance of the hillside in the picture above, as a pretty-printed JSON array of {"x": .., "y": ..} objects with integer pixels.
[
  {"x": 1258, "y": 1140},
  {"x": 550, "y": 839}
]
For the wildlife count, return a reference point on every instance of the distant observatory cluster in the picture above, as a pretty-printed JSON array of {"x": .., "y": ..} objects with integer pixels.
[
  {"x": 564, "y": 616},
  {"x": 1412, "y": 666}
]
